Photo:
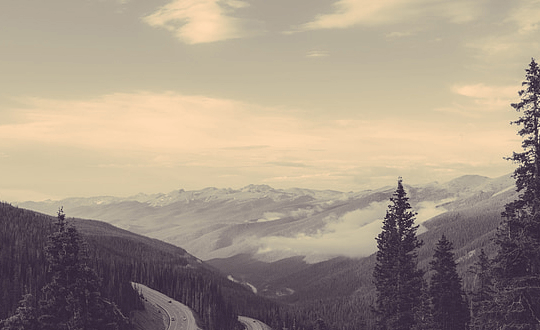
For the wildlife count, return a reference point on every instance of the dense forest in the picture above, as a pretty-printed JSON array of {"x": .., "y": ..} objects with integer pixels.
[
  {"x": 120, "y": 257},
  {"x": 117, "y": 260}
]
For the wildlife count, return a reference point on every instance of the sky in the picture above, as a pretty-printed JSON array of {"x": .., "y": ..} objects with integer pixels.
[{"x": 117, "y": 97}]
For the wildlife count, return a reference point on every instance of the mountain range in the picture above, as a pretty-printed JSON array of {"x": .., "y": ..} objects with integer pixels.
[
  {"x": 310, "y": 249},
  {"x": 272, "y": 224}
]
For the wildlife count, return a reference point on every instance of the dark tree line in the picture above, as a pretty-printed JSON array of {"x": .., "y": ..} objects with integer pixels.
[
  {"x": 72, "y": 297},
  {"x": 508, "y": 293},
  {"x": 404, "y": 300},
  {"x": 506, "y": 290},
  {"x": 117, "y": 260}
]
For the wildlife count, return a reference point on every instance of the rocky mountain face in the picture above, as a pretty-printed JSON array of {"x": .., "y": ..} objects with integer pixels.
[{"x": 272, "y": 224}]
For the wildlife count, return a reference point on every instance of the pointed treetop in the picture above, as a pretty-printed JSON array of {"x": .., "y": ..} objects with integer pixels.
[
  {"x": 400, "y": 183},
  {"x": 61, "y": 219}
]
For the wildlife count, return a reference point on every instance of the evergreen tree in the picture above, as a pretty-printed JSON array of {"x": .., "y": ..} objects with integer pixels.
[
  {"x": 320, "y": 325},
  {"x": 517, "y": 263},
  {"x": 397, "y": 279},
  {"x": 423, "y": 313},
  {"x": 449, "y": 305},
  {"x": 25, "y": 317},
  {"x": 72, "y": 297},
  {"x": 482, "y": 294}
]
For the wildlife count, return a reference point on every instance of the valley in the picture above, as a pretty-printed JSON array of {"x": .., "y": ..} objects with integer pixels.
[
  {"x": 273, "y": 224},
  {"x": 279, "y": 256}
]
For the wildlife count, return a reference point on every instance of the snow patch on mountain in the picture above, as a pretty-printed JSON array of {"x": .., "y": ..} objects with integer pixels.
[
  {"x": 274, "y": 223},
  {"x": 249, "y": 285}
]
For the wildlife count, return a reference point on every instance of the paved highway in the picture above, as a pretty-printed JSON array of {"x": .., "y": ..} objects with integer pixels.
[
  {"x": 179, "y": 315},
  {"x": 252, "y": 324}
]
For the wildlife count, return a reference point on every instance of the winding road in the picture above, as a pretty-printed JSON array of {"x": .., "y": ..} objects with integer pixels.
[
  {"x": 179, "y": 315},
  {"x": 253, "y": 324}
]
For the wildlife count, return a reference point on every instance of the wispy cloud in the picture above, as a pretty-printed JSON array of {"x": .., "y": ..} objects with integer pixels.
[
  {"x": 399, "y": 34},
  {"x": 348, "y": 13},
  {"x": 481, "y": 99},
  {"x": 286, "y": 164},
  {"x": 495, "y": 96},
  {"x": 145, "y": 121},
  {"x": 526, "y": 16},
  {"x": 317, "y": 53},
  {"x": 228, "y": 143},
  {"x": 202, "y": 21},
  {"x": 515, "y": 36}
]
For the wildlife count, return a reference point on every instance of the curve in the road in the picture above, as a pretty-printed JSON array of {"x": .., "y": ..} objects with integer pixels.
[
  {"x": 180, "y": 316},
  {"x": 168, "y": 316},
  {"x": 253, "y": 324}
]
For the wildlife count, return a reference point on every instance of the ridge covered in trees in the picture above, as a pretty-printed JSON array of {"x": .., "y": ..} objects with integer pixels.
[
  {"x": 118, "y": 259},
  {"x": 71, "y": 298}
]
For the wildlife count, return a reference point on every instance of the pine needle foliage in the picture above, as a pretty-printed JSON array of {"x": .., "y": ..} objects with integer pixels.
[
  {"x": 397, "y": 279},
  {"x": 481, "y": 297},
  {"x": 449, "y": 305},
  {"x": 26, "y": 316},
  {"x": 72, "y": 297},
  {"x": 517, "y": 264}
]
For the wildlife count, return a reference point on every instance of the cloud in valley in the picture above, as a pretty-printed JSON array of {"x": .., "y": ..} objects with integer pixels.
[{"x": 351, "y": 235}]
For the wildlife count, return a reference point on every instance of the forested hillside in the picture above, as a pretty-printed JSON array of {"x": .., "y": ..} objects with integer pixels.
[{"x": 119, "y": 258}]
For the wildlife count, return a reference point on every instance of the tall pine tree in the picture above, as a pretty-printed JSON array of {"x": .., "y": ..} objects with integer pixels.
[
  {"x": 449, "y": 305},
  {"x": 517, "y": 263},
  {"x": 72, "y": 297},
  {"x": 25, "y": 317},
  {"x": 482, "y": 294},
  {"x": 396, "y": 277}
]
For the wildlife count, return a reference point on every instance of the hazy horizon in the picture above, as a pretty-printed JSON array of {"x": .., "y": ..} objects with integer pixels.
[
  {"x": 117, "y": 97},
  {"x": 239, "y": 188}
]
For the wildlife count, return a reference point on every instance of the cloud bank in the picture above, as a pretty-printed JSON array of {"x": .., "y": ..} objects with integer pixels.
[
  {"x": 203, "y": 141},
  {"x": 352, "y": 235}
]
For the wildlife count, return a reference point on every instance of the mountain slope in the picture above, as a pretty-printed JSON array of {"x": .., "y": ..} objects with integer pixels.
[
  {"x": 272, "y": 224},
  {"x": 119, "y": 257}
]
